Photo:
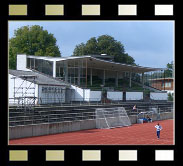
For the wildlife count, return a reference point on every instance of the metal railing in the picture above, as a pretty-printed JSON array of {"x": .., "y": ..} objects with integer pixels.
[
  {"x": 76, "y": 101},
  {"x": 158, "y": 109},
  {"x": 50, "y": 118}
]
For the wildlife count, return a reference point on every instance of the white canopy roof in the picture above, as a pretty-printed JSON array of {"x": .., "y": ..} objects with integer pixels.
[{"x": 101, "y": 64}]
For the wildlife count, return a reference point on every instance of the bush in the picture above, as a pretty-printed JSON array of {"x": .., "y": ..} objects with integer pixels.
[{"x": 170, "y": 96}]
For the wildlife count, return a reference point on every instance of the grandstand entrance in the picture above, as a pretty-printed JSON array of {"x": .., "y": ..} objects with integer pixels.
[{"x": 146, "y": 96}]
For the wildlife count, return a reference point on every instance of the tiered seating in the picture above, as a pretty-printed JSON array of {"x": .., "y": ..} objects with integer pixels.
[{"x": 55, "y": 114}]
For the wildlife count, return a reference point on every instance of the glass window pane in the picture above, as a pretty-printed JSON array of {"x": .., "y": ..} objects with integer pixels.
[{"x": 28, "y": 62}]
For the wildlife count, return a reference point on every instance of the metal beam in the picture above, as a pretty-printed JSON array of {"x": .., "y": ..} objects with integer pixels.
[
  {"x": 104, "y": 78},
  {"x": 116, "y": 79},
  {"x": 130, "y": 82},
  {"x": 90, "y": 76}
]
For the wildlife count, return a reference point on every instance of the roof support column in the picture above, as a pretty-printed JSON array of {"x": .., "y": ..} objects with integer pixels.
[
  {"x": 66, "y": 71},
  {"x": 104, "y": 78},
  {"x": 79, "y": 72},
  {"x": 90, "y": 76},
  {"x": 130, "y": 82},
  {"x": 54, "y": 68},
  {"x": 143, "y": 79},
  {"x": 116, "y": 79}
]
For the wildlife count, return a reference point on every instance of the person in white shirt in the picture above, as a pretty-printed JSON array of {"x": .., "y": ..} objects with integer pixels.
[
  {"x": 158, "y": 129},
  {"x": 134, "y": 108}
]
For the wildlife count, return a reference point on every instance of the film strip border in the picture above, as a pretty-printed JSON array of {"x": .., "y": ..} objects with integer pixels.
[
  {"x": 91, "y": 155},
  {"x": 90, "y": 10},
  {"x": 103, "y": 154},
  {"x": 96, "y": 9}
]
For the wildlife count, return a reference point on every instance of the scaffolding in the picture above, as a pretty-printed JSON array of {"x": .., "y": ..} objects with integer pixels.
[{"x": 24, "y": 92}]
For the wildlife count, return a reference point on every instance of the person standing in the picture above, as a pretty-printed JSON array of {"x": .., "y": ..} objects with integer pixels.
[
  {"x": 134, "y": 108},
  {"x": 158, "y": 129}
]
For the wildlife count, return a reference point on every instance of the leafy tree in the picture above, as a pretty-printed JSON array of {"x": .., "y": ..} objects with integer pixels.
[
  {"x": 169, "y": 70},
  {"x": 104, "y": 44},
  {"x": 32, "y": 41},
  {"x": 170, "y": 97}
]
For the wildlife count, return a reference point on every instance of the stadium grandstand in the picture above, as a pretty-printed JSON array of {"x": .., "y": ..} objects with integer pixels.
[{"x": 49, "y": 95}]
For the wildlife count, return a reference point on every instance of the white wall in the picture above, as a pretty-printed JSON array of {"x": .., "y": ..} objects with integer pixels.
[
  {"x": 21, "y": 84},
  {"x": 134, "y": 95},
  {"x": 115, "y": 95},
  {"x": 95, "y": 95},
  {"x": 158, "y": 96},
  {"x": 85, "y": 94},
  {"x": 51, "y": 94},
  {"x": 22, "y": 62},
  {"x": 11, "y": 86},
  {"x": 78, "y": 94}
]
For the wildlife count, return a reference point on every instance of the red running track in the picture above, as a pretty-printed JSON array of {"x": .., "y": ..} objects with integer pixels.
[{"x": 137, "y": 134}]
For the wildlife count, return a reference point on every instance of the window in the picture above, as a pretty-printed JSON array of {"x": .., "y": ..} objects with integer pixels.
[
  {"x": 167, "y": 84},
  {"x": 28, "y": 62},
  {"x": 40, "y": 65},
  {"x": 32, "y": 63},
  {"x": 47, "y": 67},
  {"x": 59, "y": 69},
  {"x": 43, "y": 89}
]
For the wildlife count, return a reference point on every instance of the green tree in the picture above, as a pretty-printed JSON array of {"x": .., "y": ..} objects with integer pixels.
[
  {"x": 169, "y": 70},
  {"x": 32, "y": 40},
  {"x": 170, "y": 97},
  {"x": 104, "y": 44}
]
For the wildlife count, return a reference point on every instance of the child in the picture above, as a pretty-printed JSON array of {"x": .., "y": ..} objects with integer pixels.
[{"x": 158, "y": 129}]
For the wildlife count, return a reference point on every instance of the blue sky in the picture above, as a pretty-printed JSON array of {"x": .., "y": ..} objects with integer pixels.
[{"x": 150, "y": 43}]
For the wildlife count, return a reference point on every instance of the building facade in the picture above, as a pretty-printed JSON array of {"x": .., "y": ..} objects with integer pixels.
[
  {"x": 28, "y": 87},
  {"x": 164, "y": 84},
  {"x": 83, "y": 78},
  {"x": 84, "y": 70}
]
